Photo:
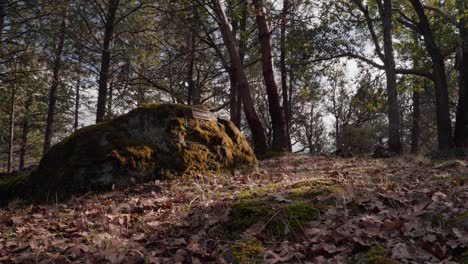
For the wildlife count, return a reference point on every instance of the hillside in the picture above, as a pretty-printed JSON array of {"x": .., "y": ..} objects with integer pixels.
[{"x": 295, "y": 209}]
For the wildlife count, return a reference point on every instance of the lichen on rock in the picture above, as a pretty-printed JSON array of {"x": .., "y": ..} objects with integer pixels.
[{"x": 150, "y": 142}]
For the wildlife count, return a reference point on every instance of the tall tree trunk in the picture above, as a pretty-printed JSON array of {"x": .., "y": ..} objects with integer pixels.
[
  {"x": 444, "y": 126},
  {"x": 394, "y": 142},
  {"x": 24, "y": 134},
  {"x": 190, "y": 66},
  {"x": 280, "y": 136},
  {"x": 55, "y": 81},
  {"x": 2, "y": 24},
  {"x": 234, "y": 110},
  {"x": 105, "y": 60},
  {"x": 461, "y": 126},
  {"x": 415, "y": 129},
  {"x": 110, "y": 101},
  {"x": 11, "y": 139},
  {"x": 284, "y": 73},
  {"x": 77, "y": 95},
  {"x": 256, "y": 127},
  {"x": 242, "y": 50}
]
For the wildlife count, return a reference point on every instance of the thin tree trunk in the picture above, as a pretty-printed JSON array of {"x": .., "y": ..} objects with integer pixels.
[
  {"x": 280, "y": 136},
  {"x": 284, "y": 73},
  {"x": 48, "y": 135},
  {"x": 242, "y": 50},
  {"x": 110, "y": 101},
  {"x": 444, "y": 126},
  {"x": 256, "y": 127},
  {"x": 24, "y": 134},
  {"x": 2, "y": 25},
  {"x": 105, "y": 60},
  {"x": 461, "y": 126},
  {"x": 415, "y": 129},
  {"x": 191, "y": 83},
  {"x": 394, "y": 142},
  {"x": 77, "y": 96},
  {"x": 234, "y": 89},
  {"x": 11, "y": 129}
]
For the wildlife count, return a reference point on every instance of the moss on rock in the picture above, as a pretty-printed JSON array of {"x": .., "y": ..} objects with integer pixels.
[{"x": 150, "y": 142}]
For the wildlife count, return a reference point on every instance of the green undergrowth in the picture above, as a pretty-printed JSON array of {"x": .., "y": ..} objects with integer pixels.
[
  {"x": 274, "y": 153},
  {"x": 14, "y": 185},
  {"x": 455, "y": 153},
  {"x": 463, "y": 259},
  {"x": 376, "y": 254},
  {"x": 248, "y": 251},
  {"x": 379, "y": 255},
  {"x": 284, "y": 215},
  {"x": 459, "y": 220},
  {"x": 282, "y": 220},
  {"x": 259, "y": 191}
]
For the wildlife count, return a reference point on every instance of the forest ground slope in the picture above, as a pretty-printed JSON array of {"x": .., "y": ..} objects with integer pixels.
[{"x": 294, "y": 209}]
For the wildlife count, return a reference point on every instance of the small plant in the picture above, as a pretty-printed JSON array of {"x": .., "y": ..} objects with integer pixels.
[
  {"x": 378, "y": 255},
  {"x": 247, "y": 251}
]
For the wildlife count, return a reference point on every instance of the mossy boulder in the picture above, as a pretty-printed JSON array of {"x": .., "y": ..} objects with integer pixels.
[{"x": 151, "y": 142}]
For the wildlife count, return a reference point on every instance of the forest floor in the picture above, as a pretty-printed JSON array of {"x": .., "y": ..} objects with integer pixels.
[{"x": 293, "y": 209}]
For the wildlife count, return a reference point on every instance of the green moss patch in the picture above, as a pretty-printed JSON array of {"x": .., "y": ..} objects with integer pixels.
[
  {"x": 12, "y": 186},
  {"x": 247, "y": 251},
  {"x": 258, "y": 191},
  {"x": 460, "y": 220},
  {"x": 378, "y": 255},
  {"x": 282, "y": 220},
  {"x": 312, "y": 192}
]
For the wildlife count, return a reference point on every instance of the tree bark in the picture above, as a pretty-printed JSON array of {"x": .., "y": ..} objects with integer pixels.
[
  {"x": 193, "y": 97},
  {"x": 24, "y": 134},
  {"x": 280, "y": 136},
  {"x": 284, "y": 73},
  {"x": 394, "y": 141},
  {"x": 11, "y": 139},
  {"x": 77, "y": 96},
  {"x": 415, "y": 129},
  {"x": 242, "y": 50},
  {"x": 256, "y": 127},
  {"x": 234, "y": 110},
  {"x": 110, "y": 101},
  {"x": 105, "y": 60},
  {"x": 461, "y": 125},
  {"x": 444, "y": 126},
  {"x": 48, "y": 135},
  {"x": 2, "y": 25}
]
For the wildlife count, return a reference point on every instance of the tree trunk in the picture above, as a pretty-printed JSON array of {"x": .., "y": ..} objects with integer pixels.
[
  {"x": 284, "y": 73},
  {"x": 77, "y": 96},
  {"x": 256, "y": 127},
  {"x": 280, "y": 136},
  {"x": 461, "y": 126},
  {"x": 234, "y": 110},
  {"x": 444, "y": 127},
  {"x": 415, "y": 130},
  {"x": 55, "y": 82},
  {"x": 110, "y": 101},
  {"x": 11, "y": 129},
  {"x": 24, "y": 134},
  {"x": 191, "y": 100},
  {"x": 2, "y": 25},
  {"x": 394, "y": 142},
  {"x": 242, "y": 50},
  {"x": 105, "y": 60}
]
